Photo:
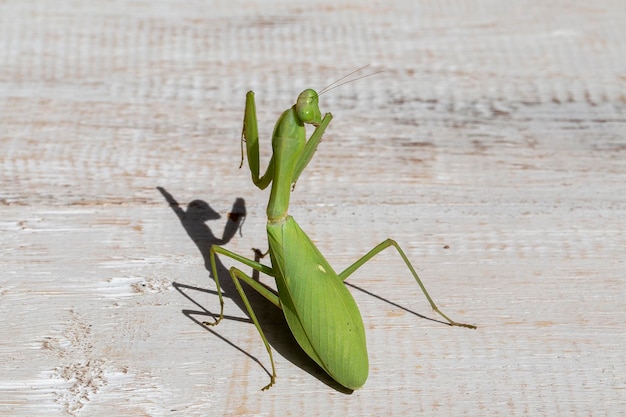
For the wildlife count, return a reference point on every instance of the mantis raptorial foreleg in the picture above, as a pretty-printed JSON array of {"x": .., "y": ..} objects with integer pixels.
[
  {"x": 310, "y": 148},
  {"x": 250, "y": 135}
]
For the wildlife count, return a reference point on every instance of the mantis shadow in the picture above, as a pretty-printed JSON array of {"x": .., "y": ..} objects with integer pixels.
[
  {"x": 378, "y": 297},
  {"x": 271, "y": 319}
]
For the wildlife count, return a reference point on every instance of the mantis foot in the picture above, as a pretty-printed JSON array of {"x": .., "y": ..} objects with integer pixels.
[
  {"x": 272, "y": 382},
  {"x": 215, "y": 323},
  {"x": 469, "y": 326}
]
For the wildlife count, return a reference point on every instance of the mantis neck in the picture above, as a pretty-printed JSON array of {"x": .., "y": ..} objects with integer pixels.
[{"x": 288, "y": 143}]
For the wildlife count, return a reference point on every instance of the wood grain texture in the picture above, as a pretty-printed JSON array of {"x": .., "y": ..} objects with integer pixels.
[{"x": 493, "y": 148}]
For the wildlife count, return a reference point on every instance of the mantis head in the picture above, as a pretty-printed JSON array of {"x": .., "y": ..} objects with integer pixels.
[{"x": 307, "y": 108}]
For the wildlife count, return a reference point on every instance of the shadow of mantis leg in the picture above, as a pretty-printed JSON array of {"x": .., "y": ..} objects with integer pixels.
[{"x": 379, "y": 248}]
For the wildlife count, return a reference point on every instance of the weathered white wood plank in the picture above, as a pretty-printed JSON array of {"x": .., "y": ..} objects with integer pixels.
[{"x": 493, "y": 148}]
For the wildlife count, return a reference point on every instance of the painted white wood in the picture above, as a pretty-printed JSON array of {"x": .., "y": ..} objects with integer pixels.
[{"x": 493, "y": 148}]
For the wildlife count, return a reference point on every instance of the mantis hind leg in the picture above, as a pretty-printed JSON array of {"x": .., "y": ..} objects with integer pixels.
[
  {"x": 384, "y": 245},
  {"x": 237, "y": 275}
]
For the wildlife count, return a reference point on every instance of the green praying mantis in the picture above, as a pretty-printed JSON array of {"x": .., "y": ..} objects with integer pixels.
[{"x": 318, "y": 307}]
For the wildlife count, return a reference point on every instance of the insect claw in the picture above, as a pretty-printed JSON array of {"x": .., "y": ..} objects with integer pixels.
[
  {"x": 215, "y": 323},
  {"x": 272, "y": 382},
  {"x": 469, "y": 326}
]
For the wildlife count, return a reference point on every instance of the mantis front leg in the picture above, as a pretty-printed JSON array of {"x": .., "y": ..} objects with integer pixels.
[
  {"x": 310, "y": 148},
  {"x": 250, "y": 135}
]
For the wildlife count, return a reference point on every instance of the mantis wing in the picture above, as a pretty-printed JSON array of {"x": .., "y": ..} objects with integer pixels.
[{"x": 319, "y": 309}]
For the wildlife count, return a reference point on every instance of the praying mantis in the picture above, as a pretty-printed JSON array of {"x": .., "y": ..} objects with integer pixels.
[{"x": 318, "y": 307}]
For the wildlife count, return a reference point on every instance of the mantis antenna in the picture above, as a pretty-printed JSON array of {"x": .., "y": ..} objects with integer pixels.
[{"x": 334, "y": 84}]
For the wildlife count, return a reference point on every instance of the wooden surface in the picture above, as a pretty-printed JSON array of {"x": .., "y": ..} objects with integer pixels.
[{"x": 493, "y": 148}]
